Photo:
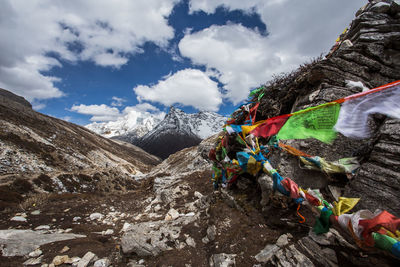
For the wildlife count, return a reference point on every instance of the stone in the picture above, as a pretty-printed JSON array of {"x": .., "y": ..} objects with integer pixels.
[
  {"x": 282, "y": 241},
  {"x": 108, "y": 232},
  {"x": 64, "y": 249},
  {"x": 157, "y": 208},
  {"x": 86, "y": 259},
  {"x": 266, "y": 254},
  {"x": 75, "y": 219},
  {"x": 222, "y": 260},
  {"x": 58, "y": 260},
  {"x": 35, "y": 253},
  {"x": 22, "y": 242},
  {"x": 152, "y": 238},
  {"x": 33, "y": 261},
  {"x": 211, "y": 232},
  {"x": 18, "y": 219},
  {"x": 35, "y": 212},
  {"x": 45, "y": 265},
  {"x": 102, "y": 263},
  {"x": 172, "y": 214},
  {"x": 381, "y": 7},
  {"x": 125, "y": 227},
  {"x": 266, "y": 184},
  {"x": 96, "y": 216},
  {"x": 73, "y": 261},
  {"x": 190, "y": 241},
  {"x": 42, "y": 227},
  {"x": 346, "y": 44},
  {"x": 198, "y": 194}
]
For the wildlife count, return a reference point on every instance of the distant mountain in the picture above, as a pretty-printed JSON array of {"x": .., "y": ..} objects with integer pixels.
[
  {"x": 132, "y": 126},
  {"x": 179, "y": 130}
]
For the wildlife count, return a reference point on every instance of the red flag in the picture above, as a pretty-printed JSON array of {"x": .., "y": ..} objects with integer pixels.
[
  {"x": 383, "y": 219},
  {"x": 271, "y": 126},
  {"x": 252, "y": 113}
]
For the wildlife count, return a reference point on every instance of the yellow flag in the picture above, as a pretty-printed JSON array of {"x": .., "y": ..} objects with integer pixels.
[{"x": 344, "y": 205}]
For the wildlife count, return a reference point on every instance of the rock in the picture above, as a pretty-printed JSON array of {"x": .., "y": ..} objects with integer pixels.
[
  {"x": 86, "y": 259},
  {"x": 325, "y": 257},
  {"x": 102, "y": 263},
  {"x": 96, "y": 216},
  {"x": 64, "y": 249},
  {"x": 45, "y": 265},
  {"x": 33, "y": 261},
  {"x": 42, "y": 227},
  {"x": 18, "y": 219},
  {"x": 282, "y": 241},
  {"x": 73, "y": 261},
  {"x": 125, "y": 227},
  {"x": 22, "y": 242},
  {"x": 190, "y": 241},
  {"x": 266, "y": 184},
  {"x": 75, "y": 219},
  {"x": 108, "y": 232},
  {"x": 198, "y": 194},
  {"x": 151, "y": 238},
  {"x": 291, "y": 257},
  {"x": 266, "y": 254},
  {"x": 211, "y": 232},
  {"x": 222, "y": 260},
  {"x": 35, "y": 212},
  {"x": 68, "y": 230},
  {"x": 58, "y": 260},
  {"x": 157, "y": 208},
  {"x": 172, "y": 214},
  {"x": 381, "y": 7},
  {"x": 35, "y": 253},
  {"x": 377, "y": 181}
]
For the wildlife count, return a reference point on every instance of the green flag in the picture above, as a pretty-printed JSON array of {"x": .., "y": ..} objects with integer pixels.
[{"x": 315, "y": 122}]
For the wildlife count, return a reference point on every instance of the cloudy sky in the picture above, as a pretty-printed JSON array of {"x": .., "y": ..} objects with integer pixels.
[{"x": 97, "y": 60}]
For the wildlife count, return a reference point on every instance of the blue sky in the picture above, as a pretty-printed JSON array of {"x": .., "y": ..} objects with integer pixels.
[{"x": 87, "y": 61}]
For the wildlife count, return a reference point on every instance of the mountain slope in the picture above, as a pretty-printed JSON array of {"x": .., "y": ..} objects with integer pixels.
[
  {"x": 134, "y": 124},
  {"x": 62, "y": 156},
  {"x": 179, "y": 130}
]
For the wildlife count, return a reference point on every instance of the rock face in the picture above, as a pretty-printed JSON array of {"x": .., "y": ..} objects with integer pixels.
[
  {"x": 179, "y": 130},
  {"x": 38, "y": 152},
  {"x": 367, "y": 56},
  {"x": 4, "y": 94}
]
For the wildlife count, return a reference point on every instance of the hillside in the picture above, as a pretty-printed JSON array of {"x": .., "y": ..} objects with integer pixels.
[{"x": 45, "y": 153}]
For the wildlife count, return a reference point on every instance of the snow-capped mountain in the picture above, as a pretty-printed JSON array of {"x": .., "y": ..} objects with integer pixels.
[
  {"x": 134, "y": 124},
  {"x": 179, "y": 130}
]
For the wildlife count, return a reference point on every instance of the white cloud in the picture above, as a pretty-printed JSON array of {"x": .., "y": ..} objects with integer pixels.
[
  {"x": 104, "y": 32},
  {"x": 103, "y": 112},
  {"x": 98, "y": 112},
  {"x": 190, "y": 87},
  {"x": 243, "y": 58},
  {"x": 142, "y": 107},
  {"x": 117, "y": 101}
]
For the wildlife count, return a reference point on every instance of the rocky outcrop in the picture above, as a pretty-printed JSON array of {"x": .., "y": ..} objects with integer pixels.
[
  {"x": 4, "y": 94},
  {"x": 367, "y": 56}
]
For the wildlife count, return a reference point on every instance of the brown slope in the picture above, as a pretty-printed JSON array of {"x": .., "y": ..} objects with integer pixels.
[{"x": 60, "y": 156}]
